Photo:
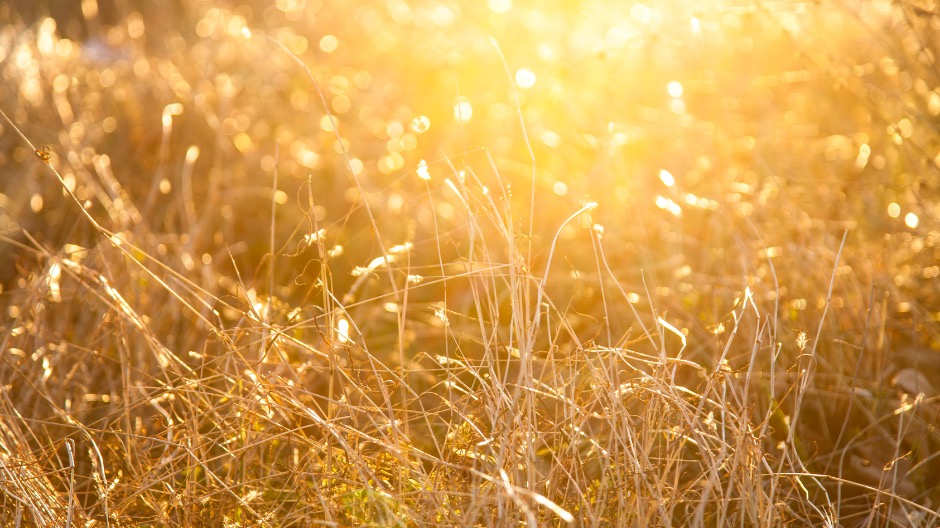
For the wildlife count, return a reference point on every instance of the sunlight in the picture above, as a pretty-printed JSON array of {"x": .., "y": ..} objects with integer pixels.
[{"x": 470, "y": 263}]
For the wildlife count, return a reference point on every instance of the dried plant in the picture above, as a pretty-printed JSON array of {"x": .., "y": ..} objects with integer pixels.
[{"x": 469, "y": 264}]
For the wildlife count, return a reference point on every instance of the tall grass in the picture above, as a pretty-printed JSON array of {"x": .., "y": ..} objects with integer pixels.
[{"x": 250, "y": 287}]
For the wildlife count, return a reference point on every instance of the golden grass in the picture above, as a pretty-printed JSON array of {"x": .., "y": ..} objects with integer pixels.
[{"x": 255, "y": 272}]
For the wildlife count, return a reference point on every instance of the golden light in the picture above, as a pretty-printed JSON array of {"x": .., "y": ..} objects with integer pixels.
[
  {"x": 674, "y": 88},
  {"x": 463, "y": 110},
  {"x": 641, "y": 13},
  {"x": 616, "y": 37},
  {"x": 499, "y": 6},
  {"x": 169, "y": 111},
  {"x": 667, "y": 178},
  {"x": 309, "y": 158},
  {"x": 525, "y": 78},
  {"x": 296, "y": 151},
  {"x": 420, "y": 124},
  {"x": 423, "y": 170},
  {"x": 329, "y": 43},
  {"x": 668, "y": 205},
  {"x": 328, "y": 123},
  {"x": 342, "y": 330}
]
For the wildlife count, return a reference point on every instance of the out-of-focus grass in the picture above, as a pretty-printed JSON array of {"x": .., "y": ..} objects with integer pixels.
[{"x": 679, "y": 266}]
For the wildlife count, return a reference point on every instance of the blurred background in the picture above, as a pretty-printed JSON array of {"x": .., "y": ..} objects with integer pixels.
[
  {"x": 717, "y": 137},
  {"x": 729, "y": 146}
]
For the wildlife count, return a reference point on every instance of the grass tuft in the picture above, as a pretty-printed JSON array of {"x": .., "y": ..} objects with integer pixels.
[{"x": 308, "y": 264}]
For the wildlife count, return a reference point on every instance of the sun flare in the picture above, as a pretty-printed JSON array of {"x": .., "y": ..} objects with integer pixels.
[{"x": 469, "y": 263}]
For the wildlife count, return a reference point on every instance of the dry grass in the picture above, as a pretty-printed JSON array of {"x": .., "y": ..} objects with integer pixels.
[{"x": 250, "y": 287}]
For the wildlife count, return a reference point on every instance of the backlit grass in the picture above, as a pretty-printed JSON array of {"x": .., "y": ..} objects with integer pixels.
[{"x": 434, "y": 263}]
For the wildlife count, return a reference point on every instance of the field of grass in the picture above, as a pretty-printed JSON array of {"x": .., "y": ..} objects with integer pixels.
[{"x": 469, "y": 263}]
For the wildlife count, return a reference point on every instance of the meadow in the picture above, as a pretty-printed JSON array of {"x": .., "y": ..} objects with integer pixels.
[{"x": 469, "y": 263}]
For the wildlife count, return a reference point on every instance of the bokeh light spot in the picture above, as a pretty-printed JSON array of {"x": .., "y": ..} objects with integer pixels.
[
  {"x": 329, "y": 43},
  {"x": 641, "y": 13},
  {"x": 463, "y": 110},
  {"x": 616, "y": 37},
  {"x": 423, "y": 170},
  {"x": 525, "y": 78},
  {"x": 328, "y": 123},
  {"x": 894, "y": 210},
  {"x": 667, "y": 178},
  {"x": 499, "y": 6},
  {"x": 420, "y": 124},
  {"x": 674, "y": 88}
]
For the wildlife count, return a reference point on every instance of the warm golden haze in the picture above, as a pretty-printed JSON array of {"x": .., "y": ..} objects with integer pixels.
[{"x": 469, "y": 263}]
